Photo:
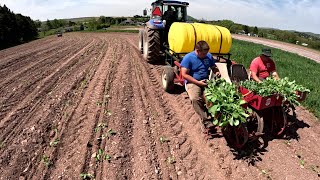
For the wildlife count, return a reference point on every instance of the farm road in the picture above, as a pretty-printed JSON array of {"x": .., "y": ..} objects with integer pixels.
[
  {"x": 87, "y": 104},
  {"x": 300, "y": 50}
]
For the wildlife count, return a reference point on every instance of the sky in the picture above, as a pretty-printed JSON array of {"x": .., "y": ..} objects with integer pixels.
[{"x": 299, "y": 15}]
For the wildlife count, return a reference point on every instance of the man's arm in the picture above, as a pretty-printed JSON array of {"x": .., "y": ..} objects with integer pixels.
[
  {"x": 255, "y": 77},
  {"x": 215, "y": 70},
  {"x": 186, "y": 76},
  {"x": 254, "y": 71},
  {"x": 275, "y": 75}
]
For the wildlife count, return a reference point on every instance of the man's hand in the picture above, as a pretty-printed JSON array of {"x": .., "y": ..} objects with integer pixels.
[
  {"x": 202, "y": 83},
  {"x": 217, "y": 74}
]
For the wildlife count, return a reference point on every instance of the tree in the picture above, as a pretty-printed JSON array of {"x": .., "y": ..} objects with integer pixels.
[
  {"x": 246, "y": 29},
  {"x": 255, "y": 30},
  {"x": 49, "y": 24}
]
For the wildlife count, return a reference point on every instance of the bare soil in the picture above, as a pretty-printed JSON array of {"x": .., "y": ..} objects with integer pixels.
[{"x": 89, "y": 104}]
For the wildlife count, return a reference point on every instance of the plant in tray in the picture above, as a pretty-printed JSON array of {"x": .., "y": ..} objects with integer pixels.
[
  {"x": 225, "y": 103},
  {"x": 283, "y": 87}
]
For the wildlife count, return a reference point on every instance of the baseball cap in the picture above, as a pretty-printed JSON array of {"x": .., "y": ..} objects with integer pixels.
[{"x": 266, "y": 52}]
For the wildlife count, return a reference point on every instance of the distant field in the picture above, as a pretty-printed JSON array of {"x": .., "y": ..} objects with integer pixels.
[{"x": 304, "y": 71}]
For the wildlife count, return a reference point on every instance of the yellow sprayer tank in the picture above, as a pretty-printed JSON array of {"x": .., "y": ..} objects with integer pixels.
[{"x": 183, "y": 37}]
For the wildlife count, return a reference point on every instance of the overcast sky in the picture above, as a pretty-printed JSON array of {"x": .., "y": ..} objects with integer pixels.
[{"x": 300, "y": 15}]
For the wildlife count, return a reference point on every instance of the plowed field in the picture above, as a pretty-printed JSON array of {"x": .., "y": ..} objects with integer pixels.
[{"x": 89, "y": 104}]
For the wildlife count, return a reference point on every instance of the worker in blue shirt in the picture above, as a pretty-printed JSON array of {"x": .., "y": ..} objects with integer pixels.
[{"x": 195, "y": 70}]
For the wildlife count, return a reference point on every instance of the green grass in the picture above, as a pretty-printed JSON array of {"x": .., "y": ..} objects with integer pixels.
[
  {"x": 48, "y": 33},
  {"x": 303, "y": 70}
]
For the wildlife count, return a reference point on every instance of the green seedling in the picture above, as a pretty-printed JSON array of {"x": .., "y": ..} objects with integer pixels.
[
  {"x": 99, "y": 103},
  {"x": 2, "y": 144},
  {"x": 163, "y": 139},
  {"x": 103, "y": 136},
  {"x": 45, "y": 160},
  {"x": 107, "y": 112},
  {"x": 301, "y": 161},
  {"x": 288, "y": 142},
  {"x": 266, "y": 173},
  {"x": 83, "y": 83},
  {"x": 66, "y": 115},
  {"x": 99, "y": 155},
  {"x": 111, "y": 132},
  {"x": 315, "y": 169},
  {"x": 171, "y": 160},
  {"x": 86, "y": 176},
  {"x": 100, "y": 126},
  {"x": 107, "y": 157},
  {"x": 54, "y": 143}
]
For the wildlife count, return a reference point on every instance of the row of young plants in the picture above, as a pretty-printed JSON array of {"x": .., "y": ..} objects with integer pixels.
[
  {"x": 225, "y": 103},
  {"x": 284, "y": 87}
]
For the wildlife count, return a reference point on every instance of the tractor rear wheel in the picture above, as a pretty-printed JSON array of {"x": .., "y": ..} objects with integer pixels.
[
  {"x": 167, "y": 78},
  {"x": 151, "y": 45},
  {"x": 141, "y": 41}
]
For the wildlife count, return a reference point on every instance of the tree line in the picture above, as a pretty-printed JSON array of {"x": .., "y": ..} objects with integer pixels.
[
  {"x": 15, "y": 28},
  {"x": 275, "y": 34}
]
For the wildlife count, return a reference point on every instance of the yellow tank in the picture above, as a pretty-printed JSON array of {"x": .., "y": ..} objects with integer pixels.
[{"x": 182, "y": 37}]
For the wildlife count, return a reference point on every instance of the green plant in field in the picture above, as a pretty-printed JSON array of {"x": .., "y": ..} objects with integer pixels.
[
  {"x": 301, "y": 161},
  {"x": 103, "y": 136},
  {"x": 99, "y": 103},
  {"x": 163, "y": 139},
  {"x": 315, "y": 169},
  {"x": 107, "y": 157},
  {"x": 225, "y": 103},
  {"x": 100, "y": 126},
  {"x": 171, "y": 159},
  {"x": 99, "y": 155},
  {"x": 83, "y": 83},
  {"x": 266, "y": 174},
  {"x": 2, "y": 144},
  {"x": 111, "y": 132},
  {"x": 54, "y": 142},
  {"x": 86, "y": 176},
  {"x": 107, "y": 112},
  {"x": 45, "y": 160}
]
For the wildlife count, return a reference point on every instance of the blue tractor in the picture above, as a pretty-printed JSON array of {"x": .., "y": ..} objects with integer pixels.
[{"x": 153, "y": 39}]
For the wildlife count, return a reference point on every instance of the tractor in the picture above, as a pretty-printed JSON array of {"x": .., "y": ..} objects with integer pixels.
[{"x": 154, "y": 37}]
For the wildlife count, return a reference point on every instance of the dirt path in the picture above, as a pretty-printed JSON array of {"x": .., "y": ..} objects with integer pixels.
[
  {"x": 300, "y": 50},
  {"x": 89, "y": 104}
]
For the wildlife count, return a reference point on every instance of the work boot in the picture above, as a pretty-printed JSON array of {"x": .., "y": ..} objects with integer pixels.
[{"x": 206, "y": 125}]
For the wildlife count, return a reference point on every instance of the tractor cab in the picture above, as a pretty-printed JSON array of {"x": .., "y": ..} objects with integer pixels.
[
  {"x": 159, "y": 9},
  {"x": 154, "y": 37}
]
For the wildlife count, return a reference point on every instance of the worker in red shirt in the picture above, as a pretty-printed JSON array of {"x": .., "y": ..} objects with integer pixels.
[{"x": 263, "y": 66}]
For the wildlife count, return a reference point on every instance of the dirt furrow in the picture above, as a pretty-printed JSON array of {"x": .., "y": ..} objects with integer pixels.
[
  {"x": 88, "y": 104},
  {"x": 25, "y": 48},
  {"x": 31, "y": 80},
  {"x": 43, "y": 126},
  {"x": 27, "y": 103},
  {"x": 79, "y": 149},
  {"x": 24, "y": 66}
]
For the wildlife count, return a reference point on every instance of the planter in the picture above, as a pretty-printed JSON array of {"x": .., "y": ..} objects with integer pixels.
[{"x": 258, "y": 102}]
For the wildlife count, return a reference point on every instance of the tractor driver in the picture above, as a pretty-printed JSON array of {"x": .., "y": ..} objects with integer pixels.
[
  {"x": 194, "y": 69},
  {"x": 170, "y": 17},
  {"x": 263, "y": 66}
]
